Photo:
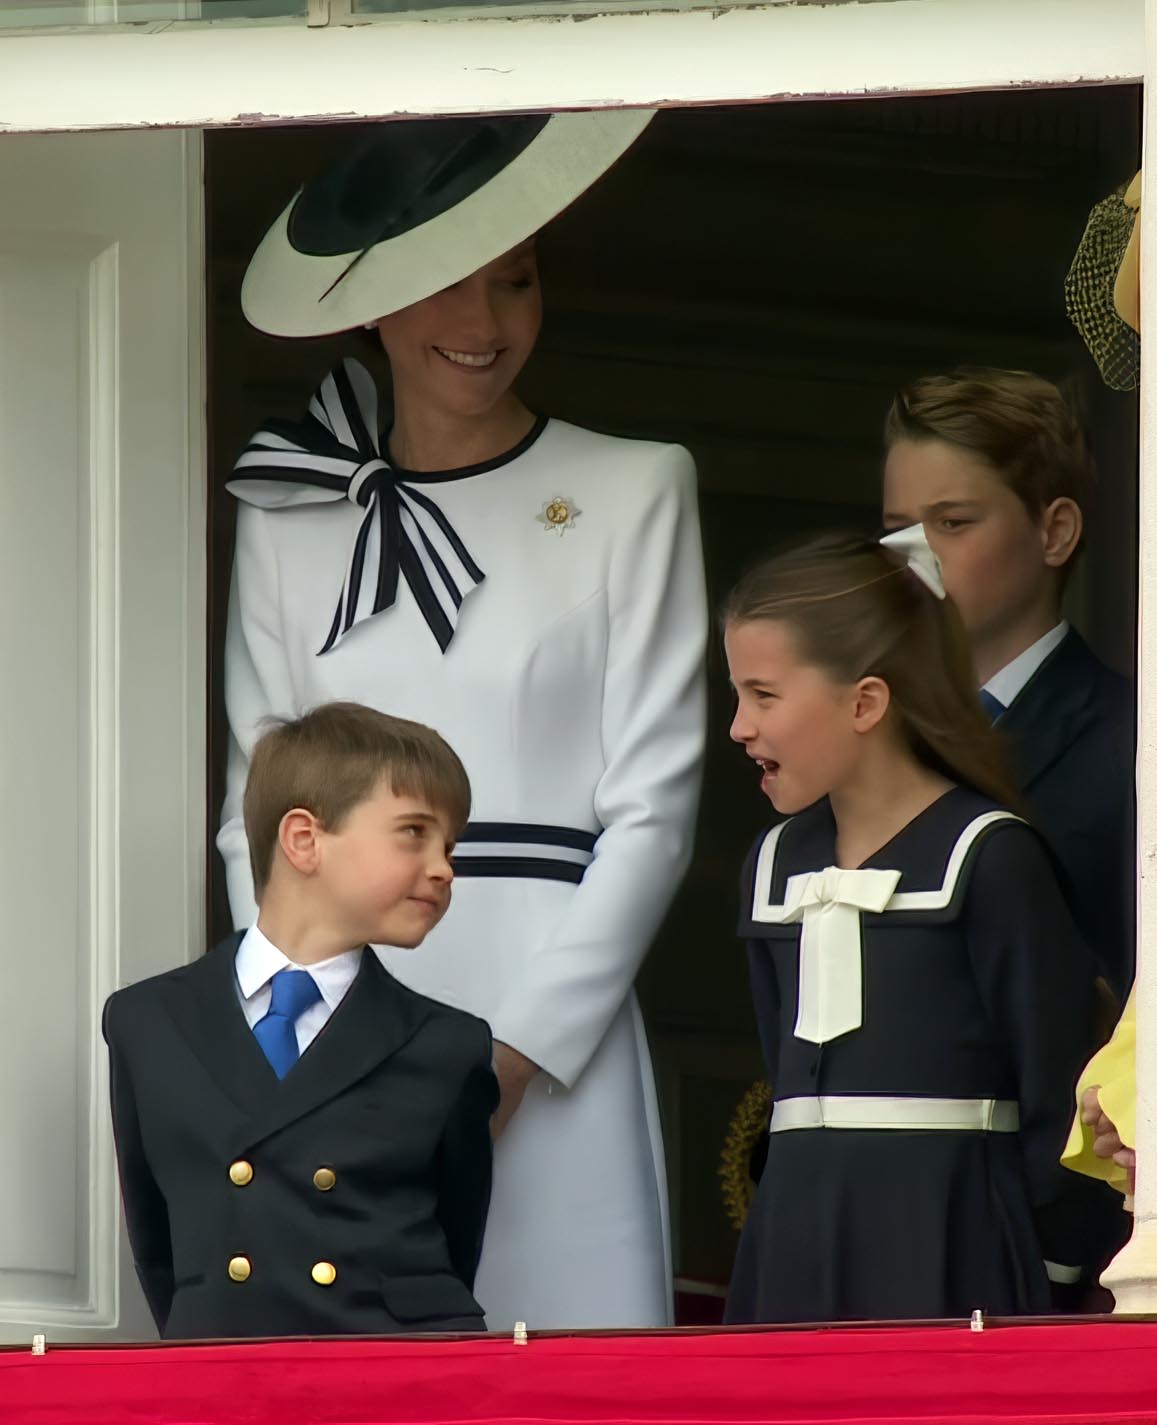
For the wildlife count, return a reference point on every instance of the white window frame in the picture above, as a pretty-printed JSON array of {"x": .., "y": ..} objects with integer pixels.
[
  {"x": 336, "y": 66},
  {"x": 1132, "y": 1277},
  {"x": 206, "y": 75}
]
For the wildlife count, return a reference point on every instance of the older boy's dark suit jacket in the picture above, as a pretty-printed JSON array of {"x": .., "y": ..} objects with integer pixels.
[
  {"x": 1071, "y": 731},
  {"x": 368, "y": 1163}
]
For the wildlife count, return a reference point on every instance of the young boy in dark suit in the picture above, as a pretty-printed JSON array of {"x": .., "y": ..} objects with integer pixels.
[
  {"x": 995, "y": 466},
  {"x": 304, "y": 1144}
]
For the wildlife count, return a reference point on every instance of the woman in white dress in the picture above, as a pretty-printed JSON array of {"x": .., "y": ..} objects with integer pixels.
[{"x": 535, "y": 592}]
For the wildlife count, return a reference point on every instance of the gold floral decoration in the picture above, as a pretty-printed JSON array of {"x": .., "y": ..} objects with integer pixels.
[{"x": 747, "y": 1125}]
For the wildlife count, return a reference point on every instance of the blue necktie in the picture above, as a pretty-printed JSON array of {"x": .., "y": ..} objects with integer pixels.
[
  {"x": 293, "y": 993},
  {"x": 991, "y": 705}
]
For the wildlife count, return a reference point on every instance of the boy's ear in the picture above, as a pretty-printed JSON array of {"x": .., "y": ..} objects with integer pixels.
[
  {"x": 298, "y": 837},
  {"x": 873, "y": 697},
  {"x": 1061, "y": 526}
]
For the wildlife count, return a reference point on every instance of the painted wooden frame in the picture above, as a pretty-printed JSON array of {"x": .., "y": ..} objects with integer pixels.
[
  {"x": 194, "y": 75},
  {"x": 190, "y": 75},
  {"x": 104, "y": 718},
  {"x": 1132, "y": 1277}
]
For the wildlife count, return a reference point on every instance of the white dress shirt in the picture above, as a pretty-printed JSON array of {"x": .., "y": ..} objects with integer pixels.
[
  {"x": 258, "y": 960},
  {"x": 1012, "y": 679}
]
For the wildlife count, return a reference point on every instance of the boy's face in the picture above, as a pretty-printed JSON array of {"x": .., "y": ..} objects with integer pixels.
[
  {"x": 991, "y": 551},
  {"x": 385, "y": 872}
]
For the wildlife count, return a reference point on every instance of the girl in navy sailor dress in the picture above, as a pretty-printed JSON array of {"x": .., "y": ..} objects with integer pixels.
[{"x": 921, "y": 989}]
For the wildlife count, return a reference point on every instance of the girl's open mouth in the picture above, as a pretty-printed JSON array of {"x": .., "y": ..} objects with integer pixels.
[{"x": 769, "y": 770}]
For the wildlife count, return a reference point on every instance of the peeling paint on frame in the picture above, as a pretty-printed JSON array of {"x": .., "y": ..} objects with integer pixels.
[{"x": 277, "y": 73}]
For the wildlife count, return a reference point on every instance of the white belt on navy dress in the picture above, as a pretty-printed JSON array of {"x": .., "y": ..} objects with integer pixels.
[{"x": 977, "y": 1115}]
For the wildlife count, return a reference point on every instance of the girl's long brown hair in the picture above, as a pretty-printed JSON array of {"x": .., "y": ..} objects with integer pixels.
[{"x": 858, "y": 611}]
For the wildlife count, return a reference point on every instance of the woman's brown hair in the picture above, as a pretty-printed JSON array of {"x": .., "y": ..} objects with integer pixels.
[{"x": 858, "y": 611}]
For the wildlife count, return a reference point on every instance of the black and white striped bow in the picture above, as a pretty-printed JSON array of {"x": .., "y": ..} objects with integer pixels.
[{"x": 334, "y": 454}]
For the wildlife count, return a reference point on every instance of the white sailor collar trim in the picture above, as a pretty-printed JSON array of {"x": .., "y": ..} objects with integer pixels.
[
  {"x": 829, "y": 906},
  {"x": 765, "y": 913}
]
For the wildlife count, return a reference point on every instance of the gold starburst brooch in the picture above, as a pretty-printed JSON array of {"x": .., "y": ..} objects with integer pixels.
[{"x": 558, "y": 514}]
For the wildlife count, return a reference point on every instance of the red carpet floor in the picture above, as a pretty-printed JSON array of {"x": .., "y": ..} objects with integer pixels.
[{"x": 1091, "y": 1373}]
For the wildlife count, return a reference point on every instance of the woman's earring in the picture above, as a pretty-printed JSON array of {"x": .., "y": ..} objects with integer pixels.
[{"x": 370, "y": 326}]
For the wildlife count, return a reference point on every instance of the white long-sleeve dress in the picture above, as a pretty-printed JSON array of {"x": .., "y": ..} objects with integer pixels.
[{"x": 572, "y": 689}]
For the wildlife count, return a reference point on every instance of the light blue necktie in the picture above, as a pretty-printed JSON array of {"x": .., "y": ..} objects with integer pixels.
[
  {"x": 991, "y": 705},
  {"x": 293, "y": 993}
]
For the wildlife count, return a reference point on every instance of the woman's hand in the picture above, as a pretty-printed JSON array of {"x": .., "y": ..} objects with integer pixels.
[
  {"x": 1106, "y": 1140},
  {"x": 514, "y": 1072}
]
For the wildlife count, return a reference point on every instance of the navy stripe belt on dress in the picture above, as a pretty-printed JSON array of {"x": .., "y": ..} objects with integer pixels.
[{"x": 524, "y": 851}]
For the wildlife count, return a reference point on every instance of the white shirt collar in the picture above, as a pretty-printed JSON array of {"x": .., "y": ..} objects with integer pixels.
[
  {"x": 258, "y": 960},
  {"x": 1010, "y": 682}
]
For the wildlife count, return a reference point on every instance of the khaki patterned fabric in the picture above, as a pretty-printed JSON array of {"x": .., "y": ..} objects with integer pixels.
[{"x": 1091, "y": 296}]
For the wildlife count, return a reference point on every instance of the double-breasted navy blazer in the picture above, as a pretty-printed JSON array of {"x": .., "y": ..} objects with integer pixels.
[
  {"x": 1071, "y": 732},
  {"x": 349, "y": 1197}
]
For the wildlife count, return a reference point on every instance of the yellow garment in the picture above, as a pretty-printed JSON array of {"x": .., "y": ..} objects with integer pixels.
[
  {"x": 1114, "y": 1069},
  {"x": 1127, "y": 287}
]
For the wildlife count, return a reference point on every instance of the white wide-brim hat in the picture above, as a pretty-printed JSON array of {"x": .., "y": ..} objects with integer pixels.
[{"x": 421, "y": 205}]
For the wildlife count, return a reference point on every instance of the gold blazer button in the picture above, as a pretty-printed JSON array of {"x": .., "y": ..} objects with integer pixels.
[
  {"x": 324, "y": 1273},
  {"x": 240, "y": 1173},
  {"x": 239, "y": 1268},
  {"x": 324, "y": 1179}
]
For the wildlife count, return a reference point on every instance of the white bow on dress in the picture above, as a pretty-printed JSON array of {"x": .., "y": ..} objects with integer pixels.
[
  {"x": 336, "y": 454},
  {"x": 829, "y": 904}
]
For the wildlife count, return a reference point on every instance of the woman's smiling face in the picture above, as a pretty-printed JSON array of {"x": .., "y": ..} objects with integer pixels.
[{"x": 461, "y": 350}]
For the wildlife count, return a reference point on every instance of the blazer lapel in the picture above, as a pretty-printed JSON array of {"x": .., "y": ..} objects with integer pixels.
[
  {"x": 206, "y": 1008},
  {"x": 373, "y": 1021},
  {"x": 1052, "y": 710}
]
